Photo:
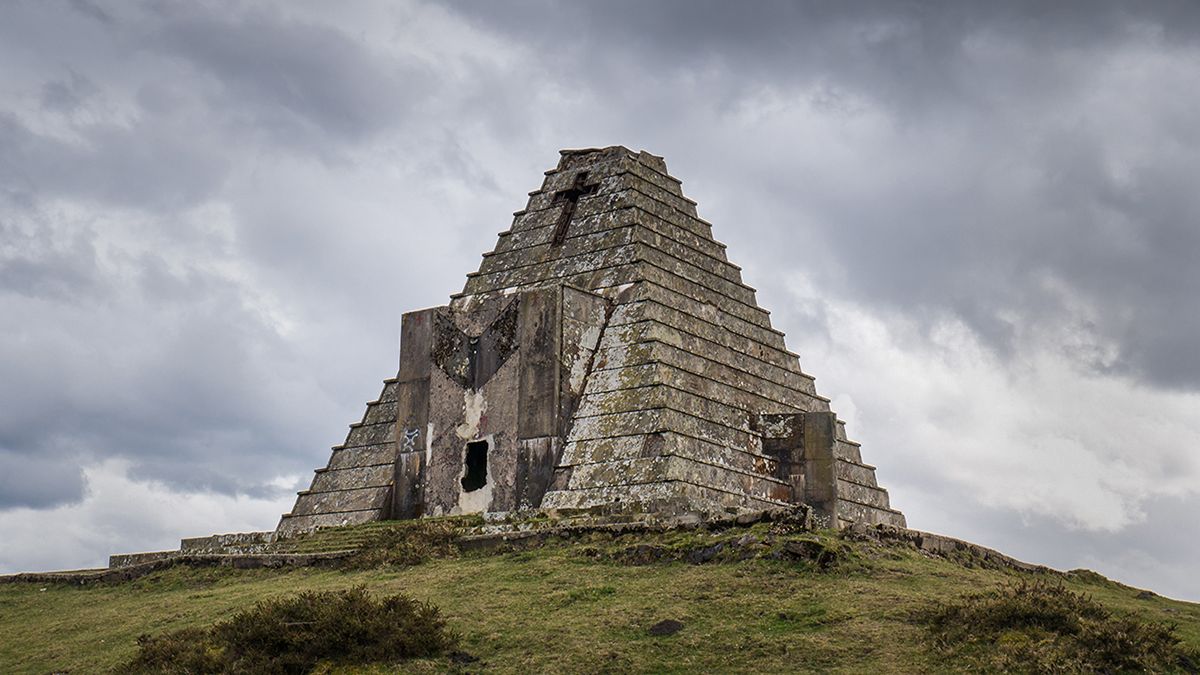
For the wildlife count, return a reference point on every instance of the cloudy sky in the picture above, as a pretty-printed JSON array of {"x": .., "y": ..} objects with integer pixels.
[{"x": 977, "y": 222}]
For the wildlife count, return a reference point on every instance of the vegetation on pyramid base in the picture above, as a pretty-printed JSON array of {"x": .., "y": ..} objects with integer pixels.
[
  {"x": 411, "y": 544},
  {"x": 1043, "y": 628},
  {"x": 294, "y": 634}
]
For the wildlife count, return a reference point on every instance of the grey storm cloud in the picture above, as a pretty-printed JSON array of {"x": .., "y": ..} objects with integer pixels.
[
  {"x": 203, "y": 81},
  {"x": 37, "y": 482},
  {"x": 169, "y": 369},
  {"x": 212, "y": 214},
  {"x": 1062, "y": 205},
  {"x": 148, "y": 109},
  {"x": 297, "y": 78}
]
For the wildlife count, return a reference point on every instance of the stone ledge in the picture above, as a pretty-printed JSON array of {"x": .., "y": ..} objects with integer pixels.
[
  {"x": 132, "y": 559},
  {"x": 651, "y": 328},
  {"x": 519, "y": 529},
  {"x": 724, "y": 372},
  {"x": 613, "y": 195},
  {"x": 762, "y": 459},
  {"x": 240, "y": 542},
  {"x": 531, "y": 231},
  {"x": 942, "y": 546},
  {"x": 253, "y": 561},
  {"x": 566, "y": 523},
  {"x": 681, "y": 317}
]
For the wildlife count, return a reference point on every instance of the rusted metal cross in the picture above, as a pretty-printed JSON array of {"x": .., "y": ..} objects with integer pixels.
[{"x": 580, "y": 188}]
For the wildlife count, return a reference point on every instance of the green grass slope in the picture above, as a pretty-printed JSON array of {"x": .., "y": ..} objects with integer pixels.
[{"x": 756, "y": 599}]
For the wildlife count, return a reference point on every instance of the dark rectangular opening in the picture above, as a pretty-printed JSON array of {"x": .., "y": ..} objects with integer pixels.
[{"x": 475, "y": 475}]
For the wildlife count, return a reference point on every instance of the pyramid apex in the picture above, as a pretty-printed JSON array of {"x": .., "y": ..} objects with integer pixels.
[
  {"x": 591, "y": 151},
  {"x": 574, "y": 158}
]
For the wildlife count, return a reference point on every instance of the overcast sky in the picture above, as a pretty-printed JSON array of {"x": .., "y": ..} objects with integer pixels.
[{"x": 978, "y": 223}]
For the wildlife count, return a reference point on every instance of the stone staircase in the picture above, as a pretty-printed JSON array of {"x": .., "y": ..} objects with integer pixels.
[{"x": 356, "y": 485}]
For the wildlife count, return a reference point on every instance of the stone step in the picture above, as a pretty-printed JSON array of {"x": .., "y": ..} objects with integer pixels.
[
  {"x": 853, "y": 512},
  {"x": 547, "y": 270},
  {"x": 862, "y": 474},
  {"x": 744, "y": 309},
  {"x": 678, "y": 242},
  {"x": 544, "y": 252},
  {"x": 847, "y": 451},
  {"x": 593, "y": 451},
  {"x": 674, "y": 261},
  {"x": 538, "y": 229},
  {"x": 646, "y": 470},
  {"x": 367, "y": 455},
  {"x": 748, "y": 340},
  {"x": 537, "y": 215},
  {"x": 753, "y": 390},
  {"x": 617, "y": 183},
  {"x": 651, "y": 332},
  {"x": 328, "y": 479},
  {"x": 561, "y": 179},
  {"x": 663, "y": 498},
  {"x": 663, "y": 396},
  {"x": 363, "y": 498},
  {"x": 299, "y": 523},
  {"x": 652, "y": 289},
  {"x": 653, "y": 372},
  {"x": 875, "y": 497},
  {"x": 662, "y": 419}
]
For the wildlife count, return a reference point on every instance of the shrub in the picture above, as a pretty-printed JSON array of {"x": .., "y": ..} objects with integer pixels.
[
  {"x": 190, "y": 650},
  {"x": 1048, "y": 629},
  {"x": 293, "y": 634}
]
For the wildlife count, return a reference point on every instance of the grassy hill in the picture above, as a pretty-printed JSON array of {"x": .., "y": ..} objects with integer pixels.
[{"x": 749, "y": 599}]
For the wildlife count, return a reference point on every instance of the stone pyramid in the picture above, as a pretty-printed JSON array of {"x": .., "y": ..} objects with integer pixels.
[{"x": 605, "y": 358}]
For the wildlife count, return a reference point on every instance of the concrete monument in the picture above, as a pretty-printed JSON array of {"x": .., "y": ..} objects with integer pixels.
[{"x": 606, "y": 358}]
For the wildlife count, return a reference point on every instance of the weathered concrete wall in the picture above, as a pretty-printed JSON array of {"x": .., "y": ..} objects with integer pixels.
[
  {"x": 505, "y": 370},
  {"x": 413, "y": 431},
  {"x": 458, "y": 416},
  {"x": 823, "y": 469}
]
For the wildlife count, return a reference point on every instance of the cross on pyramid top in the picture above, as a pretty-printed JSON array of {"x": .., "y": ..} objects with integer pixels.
[{"x": 579, "y": 188}]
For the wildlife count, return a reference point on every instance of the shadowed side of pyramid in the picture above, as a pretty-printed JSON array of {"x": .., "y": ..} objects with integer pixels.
[{"x": 605, "y": 357}]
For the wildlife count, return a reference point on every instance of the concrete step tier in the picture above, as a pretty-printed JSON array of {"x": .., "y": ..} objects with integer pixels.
[
  {"x": 623, "y": 225},
  {"x": 618, "y": 448},
  {"x": 853, "y": 512},
  {"x": 710, "y": 366},
  {"x": 355, "y": 486},
  {"x": 665, "y": 498},
  {"x": 655, "y": 303},
  {"x": 684, "y": 333},
  {"x": 684, "y": 277},
  {"x": 665, "y": 204},
  {"x": 536, "y": 228}
]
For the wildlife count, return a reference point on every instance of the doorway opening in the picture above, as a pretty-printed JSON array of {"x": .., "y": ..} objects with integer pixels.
[{"x": 475, "y": 461}]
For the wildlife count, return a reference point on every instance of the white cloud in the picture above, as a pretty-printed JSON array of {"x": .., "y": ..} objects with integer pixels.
[
  {"x": 121, "y": 515},
  {"x": 1033, "y": 435}
]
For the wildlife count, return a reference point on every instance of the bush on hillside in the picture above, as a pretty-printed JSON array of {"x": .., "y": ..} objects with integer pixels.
[
  {"x": 294, "y": 634},
  {"x": 1044, "y": 628},
  {"x": 191, "y": 650}
]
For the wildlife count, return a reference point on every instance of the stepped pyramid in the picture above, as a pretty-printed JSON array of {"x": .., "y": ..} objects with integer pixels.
[{"x": 606, "y": 358}]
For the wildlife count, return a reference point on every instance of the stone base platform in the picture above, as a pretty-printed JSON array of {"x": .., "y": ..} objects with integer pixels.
[{"x": 505, "y": 531}]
